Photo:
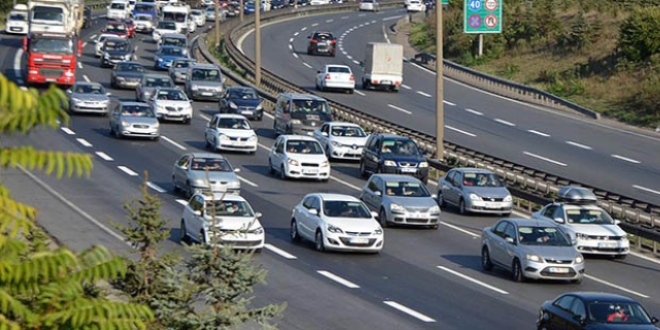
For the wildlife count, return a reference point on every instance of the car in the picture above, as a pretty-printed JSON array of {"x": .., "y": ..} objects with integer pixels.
[
  {"x": 198, "y": 16},
  {"x": 415, "y": 6},
  {"x": 17, "y": 22},
  {"x": 126, "y": 75},
  {"x": 250, "y": 7},
  {"x": 88, "y": 97},
  {"x": 163, "y": 27},
  {"x": 145, "y": 8},
  {"x": 300, "y": 113},
  {"x": 179, "y": 69},
  {"x": 278, "y": 4},
  {"x": 100, "y": 41},
  {"x": 319, "y": 2},
  {"x": 230, "y": 218},
  {"x": 389, "y": 153},
  {"x": 341, "y": 140},
  {"x": 116, "y": 50},
  {"x": 205, "y": 82},
  {"x": 401, "y": 200},
  {"x": 134, "y": 119},
  {"x": 172, "y": 104},
  {"x": 531, "y": 249},
  {"x": 209, "y": 13},
  {"x": 149, "y": 84},
  {"x": 230, "y": 133},
  {"x": 130, "y": 27},
  {"x": 368, "y": 5},
  {"x": 321, "y": 42},
  {"x": 298, "y": 156},
  {"x": 87, "y": 17},
  {"x": 116, "y": 28},
  {"x": 117, "y": 9},
  {"x": 144, "y": 23},
  {"x": 592, "y": 228},
  {"x": 192, "y": 25},
  {"x": 594, "y": 310},
  {"x": 336, "y": 222},
  {"x": 474, "y": 190},
  {"x": 244, "y": 101},
  {"x": 167, "y": 54},
  {"x": 173, "y": 39},
  {"x": 337, "y": 77},
  {"x": 204, "y": 172}
]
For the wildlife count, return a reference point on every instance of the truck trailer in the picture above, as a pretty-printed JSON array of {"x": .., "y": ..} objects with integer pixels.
[{"x": 383, "y": 66}]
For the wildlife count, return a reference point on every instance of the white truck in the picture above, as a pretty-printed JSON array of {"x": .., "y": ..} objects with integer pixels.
[
  {"x": 17, "y": 20},
  {"x": 118, "y": 9},
  {"x": 179, "y": 13},
  {"x": 56, "y": 16},
  {"x": 383, "y": 66}
]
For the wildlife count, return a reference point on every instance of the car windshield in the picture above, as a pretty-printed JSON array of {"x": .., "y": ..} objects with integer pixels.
[
  {"x": 142, "y": 8},
  {"x": 234, "y": 123},
  {"x": 181, "y": 64},
  {"x": 542, "y": 236},
  {"x": 346, "y": 209},
  {"x": 137, "y": 111},
  {"x": 303, "y": 147},
  {"x": 347, "y": 131},
  {"x": 17, "y": 17},
  {"x": 116, "y": 45},
  {"x": 158, "y": 82},
  {"x": 89, "y": 89},
  {"x": 176, "y": 17},
  {"x": 47, "y": 13},
  {"x": 617, "y": 313},
  {"x": 196, "y": 12},
  {"x": 143, "y": 18},
  {"x": 400, "y": 147},
  {"x": 589, "y": 216},
  {"x": 406, "y": 189},
  {"x": 245, "y": 94},
  {"x": 172, "y": 95},
  {"x": 166, "y": 26},
  {"x": 172, "y": 51},
  {"x": 229, "y": 208},
  {"x": 179, "y": 42},
  {"x": 206, "y": 75},
  {"x": 52, "y": 46},
  {"x": 311, "y": 110},
  {"x": 323, "y": 36},
  {"x": 210, "y": 164},
  {"x": 338, "y": 69},
  {"x": 132, "y": 67},
  {"x": 488, "y": 180},
  {"x": 117, "y": 5},
  {"x": 115, "y": 28}
]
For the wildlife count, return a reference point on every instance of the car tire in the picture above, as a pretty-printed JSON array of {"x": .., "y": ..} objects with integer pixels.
[
  {"x": 363, "y": 170},
  {"x": 435, "y": 227},
  {"x": 365, "y": 84},
  {"x": 351, "y": 91},
  {"x": 441, "y": 200},
  {"x": 157, "y": 138},
  {"x": 382, "y": 217},
  {"x": 486, "y": 263},
  {"x": 461, "y": 207},
  {"x": 319, "y": 242},
  {"x": 283, "y": 173},
  {"x": 517, "y": 272},
  {"x": 293, "y": 231},
  {"x": 183, "y": 235},
  {"x": 187, "y": 122},
  {"x": 271, "y": 170},
  {"x": 112, "y": 131}
]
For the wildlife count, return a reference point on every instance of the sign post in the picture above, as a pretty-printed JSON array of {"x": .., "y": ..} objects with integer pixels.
[{"x": 482, "y": 16}]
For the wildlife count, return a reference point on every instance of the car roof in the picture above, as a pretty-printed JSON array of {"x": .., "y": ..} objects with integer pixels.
[
  {"x": 472, "y": 170},
  {"x": 289, "y": 137},
  {"x": 241, "y": 88},
  {"x": 229, "y": 115},
  {"x": 397, "y": 177},
  {"x": 601, "y": 296},
  {"x": 342, "y": 123},
  {"x": 300, "y": 96},
  {"x": 204, "y": 66},
  {"x": 323, "y": 32},
  {"x": 174, "y": 35},
  {"x": 222, "y": 196},
  {"x": 207, "y": 155},
  {"x": 85, "y": 83},
  {"x": 530, "y": 222},
  {"x": 133, "y": 103},
  {"x": 336, "y": 197},
  {"x": 394, "y": 136},
  {"x": 338, "y": 66},
  {"x": 155, "y": 75}
]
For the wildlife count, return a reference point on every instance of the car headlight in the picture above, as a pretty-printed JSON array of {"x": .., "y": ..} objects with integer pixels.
[
  {"x": 582, "y": 236},
  {"x": 396, "y": 208},
  {"x": 232, "y": 105},
  {"x": 157, "y": 124},
  {"x": 106, "y": 55},
  {"x": 258, "y": 231},
  {"x": 199, "y": 182},
  {"x": 508, "y": 198},
  {"x": 335, "y": 144},
  {"x": 293, "y": 162},
  {"x": 127, "y": 57},
  {"x": 475, "y": 197},
  {"x": 194, "y": 87},
  {"x": 218, "y": 88},
  {"x": 378, "y": 231},
  {"x": 295, "y": 122},
  {"x": 224, "y": 137},
  {"x": 334, "y": 229},
  {"x": 75, "y": 100},
  {"x": 119, "y": 78},
  {"x": 533, "y": 257},
  {"x": 125, "y": 123},
  {"x": 579, "y": 259},
  {"x": 434, "y": 209},
  {"x": 235, "y": 184},
  {"x": 259, "y": 107},
  {"x": 389, "y": 163},
  {"x": 253, "y": 138},
  {"x": 424, "y": 164},
  {"x": 325, "y": 164}
]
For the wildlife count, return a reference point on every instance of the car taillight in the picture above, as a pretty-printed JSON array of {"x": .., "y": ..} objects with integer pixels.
[
  {"x": 375, "y": 82},
  {"x": 332, "y": 42},
  {"x": 313, "y": 40},
  {"x": 352, "y": 78},
  {"x": 397, "y": 83},
  {"x": 327, "y": 77}
]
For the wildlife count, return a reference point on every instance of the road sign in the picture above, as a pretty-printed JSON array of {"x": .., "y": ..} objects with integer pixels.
[
  {"x": 445, "y": 2},
  {"x": 482, "y": 16}
]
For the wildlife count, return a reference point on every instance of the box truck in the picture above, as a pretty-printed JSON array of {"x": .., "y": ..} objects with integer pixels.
[{"x": 383, "y": 66}]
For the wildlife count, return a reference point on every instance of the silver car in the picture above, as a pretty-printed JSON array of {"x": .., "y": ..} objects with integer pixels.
[
  {"x": 134, "y": 119},
  {"x": 531, "y": 249},
  {"x": 149, "y": 84},
  {"x": 195, "y": 172},
  {"x": 474, "y": 190},
  {"x": 179, "y": 69},
  {"x": 88, "y": 97},
  {"x": 401, "y": 200},
  {"x": 205, "y": 81}
]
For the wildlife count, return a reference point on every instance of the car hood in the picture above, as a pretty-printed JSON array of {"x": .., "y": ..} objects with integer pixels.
[
  {"x": 358, "y": 225},
  {"x": 206, "y": 83},
  {"x": 492, "y": 192},
  {"x": 140, "y": 120},
  {"x": 118, "y": 52},
  {"x": 90, "y": 97},
  {"x": 128, "y": 74},
  {"x": 412, "y": 201},
  {"x": 169, "y": 103},
  {"x": 236, "y": 223},
  {"x": 150, "y": 89},
  {"x": 551, "y": 252},
  {"x": 596, "y": 230},
  {"x": 357, "y": 141},
  {"x": 180, "y": 70},
  {"x": 237, "y": 132},
  {"x": 307, "y": 158},
  {"x": 246, "y": 102},
  {"x": 213, "y": 176},
  {"x": 170, "y": 57},
  {"x": 402, "y": 158}
]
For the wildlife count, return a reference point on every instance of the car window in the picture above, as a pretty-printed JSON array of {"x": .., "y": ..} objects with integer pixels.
[
  {"x": 589, "y": 216},
  {"x": 116, "y": 45},
  {"x": 206, "y": 75},
  {"x": 133, "y": 67},
  {"x": 404, "y": 147},
  {"x": 618, "y": 312},
  {"x": 158, "y": 82},
  {"x": 308, "y": 201},
  {"x": 510, "y": 231},
  {"x": 183, "y": 161},
  {"x": 316, "y": 204},
  {"x": 499, "y": 228},
  {"x": 542, "y": 235},
  {"x": 549, "y": 211},
  {"x": 210, "y": 164},
  {"x": 450, "y": 176},
  {"x": 89, "y": 89},
  {"x": 234, "y": 123},
  {"x": 346, "y": 209},
  {"x": 214, "y": 122},
  {"x": 137, "y": 111},
  {"x": 303, "y": 147},
  {"x": 486, "y": 180},
  {"x": 564, "y": 303},
  {"x": 578, "y": 308},
  {"x": 458, "y": 178},
  {"x": 559, "y": 213},
  {"x": 173, "y": 51},
  {"x": 311, "y": 110},
  {"x": 372, "y": 144},
  {"x": 347, "y": 131},
  {"x": 181, "y": 64},
  {"x": 196, "y": 203},
  {"x": 244, "y": 94},
  {"x": 338, "y": 69},
  {"x": 229, "y": 208},
  {"x": 405, "y": 189},
  {"x": 279, "y": 146},
  {"x": 373, "y": 184},
  {"x": 171, "y": 95}
]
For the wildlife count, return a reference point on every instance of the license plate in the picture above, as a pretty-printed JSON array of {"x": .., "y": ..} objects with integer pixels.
[
  {"x": 386, "y": 82},
  {"x": 558, "y": 270},
  {"x": 491, "y": 204},
  {"x": 606, "y": 245},
  {"x": 359, "y": 240},
  {"x": 247, "y": 112},
  {"x": 207, "y": 94},
  {"x": 408, "y": 170},
  {"x": 310, "y": 171}
]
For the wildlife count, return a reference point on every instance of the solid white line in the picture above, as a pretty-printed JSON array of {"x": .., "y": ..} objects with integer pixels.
[
  {"x": 307, "y": 65},
  {"x": 205, "y": 117},
  {"x": 575, "y": 144},
  {"x": 361, "y": 25},
  {"x": 373, "y": 21},
  {"x": 423, "y": 94},
  {"x": 93, "y": 36},
  {"x": 17, "y": 63},
  {"x": 409, "y": 311},
  {"x": 616, "y": 286},
  {"x": 459, "y": 229},
  {"x": 291, "y": 40},
  {"x": 359, "y": 93},
  {"x": 173, "y": 142},
  {"x": 460, "y": 131},
  {"x": 400, "y": 109},
  {"x": 350, "y": 185},
  {"x": 626, "y": 159},
  {"x": 356, "y": 62},
  {"x": 127, "y": 170},
  {"x": 329, "y": 20},
  {"x": 247, "y": 181},
  {"x": 646, "y": 189},
  {"x": 343, "y": 52},
  {"x": 84, "y": 142},
  {"x": 544, "y": 158},
  {"x": 86, "y": 78},
  {"x": 538, "y": 133},
  {"x": 290, "y": 47},
  {"x": 448, "y": 103},
  {"x": 296, "y": 34},
  {"x": 474, "y": 112},
  {"x": 67, "y": 131},
  {"x": 649, "y": 259},
  {"x": 104, "y": 156},
  {"x": 465, "y": 277},
  {"x": 315, "y": 24},
  {"x": 136, "y": 47},
  {"x": 365, "y": 24},
  {"x": 502, "y": 121},
  {"x": 156, "y": 187},
  {"x": 338, "y": 279},
  {"x": 280, "y": 252},
  {"x": 303, "y": 29},
  {"x": 182, "y": 201},
  {"x": 295, "y": 55},
  {"x": 406, "y": 86},
  {"x": 80, "y": 66},
  {"x": 391, "y": 18}
]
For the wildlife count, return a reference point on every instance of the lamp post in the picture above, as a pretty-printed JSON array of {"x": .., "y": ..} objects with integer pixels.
[
  {"x": 217, "y": 24},
  {"x": 241, "y": 8},
  {"x": 257, "y": 41},
  {"x": 439, "y": 88}
]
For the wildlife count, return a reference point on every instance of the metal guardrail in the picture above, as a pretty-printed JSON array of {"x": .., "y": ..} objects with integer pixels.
[{"x": 532, "y": 188}]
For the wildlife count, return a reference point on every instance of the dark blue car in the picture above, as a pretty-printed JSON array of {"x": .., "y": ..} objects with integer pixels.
[
  {"x": 167, "y": 54},
  {"x": 250, "y": 6},
  {"x": 145, "y": 8}
]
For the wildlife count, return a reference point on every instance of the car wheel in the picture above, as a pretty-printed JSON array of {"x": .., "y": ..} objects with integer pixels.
[
  {"x": 207, "y": 145},
  {"x": 318, "y": 242},
  {"x": 183, "y": 232},
  {"x": 382, "y": 216},
  {"x": 542, "y": 327},
  {"x": 486, "y": 263},
  {"x": 441, "y": 200},
  {"x": 112, "y": 131},
  {"x": 155, "y": 138},
  {"x": 351, "y": 91},
  {"x": 435, "y": 227},
  {"x": 187, "y": 122},
  {"x": 365, "y": 84},
  {"x": 363, "y": 170},
  {"x": 282, "y": 173},
  {"x": 294, "y": 231},
  {"x": 517, "y": 272},
  {"x": 461, "y": 207}
]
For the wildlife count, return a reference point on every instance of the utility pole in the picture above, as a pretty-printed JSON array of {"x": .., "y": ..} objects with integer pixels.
[
  {"x": 242, "y": 9},
  {"x": 439, "y": 92},
  {"x": 217, "y": 24},
  {"x": 257, "y": 42}
]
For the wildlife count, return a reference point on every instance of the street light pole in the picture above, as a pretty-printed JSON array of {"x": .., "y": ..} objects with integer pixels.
[
  {"x": 217, "y": 24},
  {"x": 439, "y": 104},
  {"x": 242, "y": 9},
  {"x": 257, "y": 41}
]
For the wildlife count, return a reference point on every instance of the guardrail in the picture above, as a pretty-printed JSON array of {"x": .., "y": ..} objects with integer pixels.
[{"x": 532, "y": 188}]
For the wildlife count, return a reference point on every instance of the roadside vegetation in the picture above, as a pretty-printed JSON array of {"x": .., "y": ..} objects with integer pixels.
[{"x": 601, "y": 54}]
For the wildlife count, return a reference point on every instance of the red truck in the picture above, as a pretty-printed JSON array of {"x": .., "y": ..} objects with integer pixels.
[{"x": 52, "y": 58}]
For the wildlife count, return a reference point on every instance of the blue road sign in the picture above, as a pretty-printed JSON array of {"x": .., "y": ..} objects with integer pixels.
[
  {"x": 474, "y": 5},
  {"x": 474, "y": 21}
]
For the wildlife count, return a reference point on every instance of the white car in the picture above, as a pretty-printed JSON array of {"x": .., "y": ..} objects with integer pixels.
[
  {"x": 590, "y": 226},
  {"x": 336, "y": 222},
  {"x": 342, "y": 140},
  {"x": 143, "y": 23},
  {"x": 17, "y": 22},
  {"x": 222, "y": 219},
  {"x": 163, "y": 27},
  {"x": 171, "y": 103},
  {"x": 368, "y": 5},
  {"x": 192, "y": 25},
  {"x": 298, "y": 156},
  {"x": 198, "y": 16},
  {"x": 118, "y": 9},
  {"x": 319, "y": 2},
  {"x": 101, "y": 41},
  {"x": 334, "y": 76},
  {"x": 230, "y": 132},
  {"x": 415, "y": 6}
]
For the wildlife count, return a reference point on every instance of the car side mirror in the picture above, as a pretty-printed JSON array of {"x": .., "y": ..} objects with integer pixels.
[
  {"x": 324, "y": 134},
  {"x": 510, "y": 240},
  {"x": 199, "y": 213},
  {"x": 68, "y": 91},
  {"x": 559, "y": 220},
  {"x": 258, "y": 215},
  {"x": 237, "y": 170},
  {"x": 654, "y": 320},
  {"x": 374, "y": 214},
  {"x": 224, "y": 80},
  {"x": 434, "y": 196},
  {"x": 617, "y": 222},
  {"x": 378, "y": 193},
  {"x": 309, "y": 37},
  {"x": 313, "y": 212}
]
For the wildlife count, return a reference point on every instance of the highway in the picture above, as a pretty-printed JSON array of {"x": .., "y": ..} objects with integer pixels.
[
  {"x": 423, "y": 279},
  {"x": 583, "y": 150}
]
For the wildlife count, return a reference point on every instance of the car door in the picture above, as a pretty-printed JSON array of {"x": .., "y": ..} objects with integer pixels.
[
  {"x": 196, "y": 221},
  {"x": 224, "y": 103},
  {"x": 559, "y": 318},
  {"x": 496, "y": 244},
  {"x": 114, "y": 117},
  {"x": 306, "y": 222},
  {"x": 578, "y": 312},
  {"x": 323, "y": 138},
  {"x": 446, "y": 185},
  {"x": 456, "y": 190},
  {"x": 319, "y": 76},
  {"x": 509, "y": 250},
  {"x": 180, "y": 171},
  {"x": 277, "y": 153},
  {"x": 370, "y": 191},
  {"x": 211, "y": 130},
  {"x": 372, "y": 155}
]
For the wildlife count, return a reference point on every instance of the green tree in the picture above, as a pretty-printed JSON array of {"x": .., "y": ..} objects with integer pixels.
[
  {"x": 639, "y": 35},
  {"x": 42, "y": 288}
]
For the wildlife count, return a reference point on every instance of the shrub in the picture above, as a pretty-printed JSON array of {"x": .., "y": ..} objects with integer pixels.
[{"x": 639, "y": 35}]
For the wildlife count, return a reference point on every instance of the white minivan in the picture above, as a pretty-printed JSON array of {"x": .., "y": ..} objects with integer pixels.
[{"x": 118, "y": 9}]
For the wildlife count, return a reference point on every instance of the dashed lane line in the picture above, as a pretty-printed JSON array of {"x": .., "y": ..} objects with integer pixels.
[
  {"x": 296, "y": 34},
  {"x": 474, "y": 112},
  {"x": 80, "y": 65},
  {"x": 303, "y": 29},
  {"x": 610, "y": 284},
  {"x": 359, "y": 93},
  {"x": 67, "y": 131},
  {"x": 475, "y": 281},
  {"x": 315, "y": 24},
  {"x": 460, "y": 131},
  {"x": 446, "y": 224},
  {"x": 307, "y": 65},
  {"x": 92, "y": 37},
  {"x": 182, "y": 201},
  {"x": 544, "y": 158},
  {"x": 338, "y": 279},
  {"x": 646, "y": 189},
  {"x": 295, "y": 55},
  {"x": 575, "y": 144},
  {"x": 127, "y": 170},
  {"x": 104, "y": 156},
  {"x": 449, "y": 103},
  {"x": 247, "y": 181},
  {"x": 84, "y": 142},
  {"x": 538, "y": 133},
  {"x": 86, "y": 78},
  {"x": 290, "y": 40},
  {"x": 406, "y": 86},
  {"x": 423, "y": 94},
  {"x": 502, "y": 121},
  {"x": 356, "y": 62},
  {"x": 290, "y": 47},
  {"x": 329, "y": 20},
  {"x": 156, "y": 187},
  {"x": 280, "y": 252},
  {"x": 408, "y": 112},
  {"x": 205, "y": 117},
  {"x": 172, "y": 142},
  {"x": 344, "y": 17},
  {"x": 630, "y": 160},
  {"x": 409, "y": 311}
]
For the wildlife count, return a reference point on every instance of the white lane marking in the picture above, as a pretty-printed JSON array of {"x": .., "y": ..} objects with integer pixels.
[
  {"x": 315, "y": 24},
  {"x": 205, "y": 117},
  {"x": 646, "y": 189},
  {"x": 373, "y": 21},
  {"x": 406, "y": 86},
  {"x": 365, "y": 24},
  {"x": 399, "y": 109},
  {"x": 356, "y": 62},
  {"x": 136, "y": 47},
  {"x": 459, "y": 229},
  {"x": 362, "y": 15},
  {"x": 93, "y": 36},
  {"x": 84, "y": 142},
  {"x": 347, "y": 184},
  {"x": 247, "y": 181},
  {"x": 86, "y": 78},
  {"x": 349, "y": 57},
  {"x": 295, "y": 55},
  {"x": 575, "y": 144},
  {"x": 460, "y": 131},
  {"x": 291, "y": 40},
  {"x": 84, "y": 44},
  {"x": 280, "y": 252},
  {"x": 615, "y": 286},
  {"x": 80, "y": 66},
  {"x": 307, "y": 65},
  {"x": 104, "y": 156},
  {"x": 344, "y": 17},
  {"x": 17, "y": 65},
  {"x": 296, "y": 34},
  {"x": 173, "y": 142},
  {"x": 391, "y": 18},
  {"x": 423, "y": 94},
  {"x": 409, "y": 311},
  {"x": 329, "y": 20},
  {"x": 303, "y": 29},
  {"x": 344, "y": 52},
  {"x": 502, "y": 121},
  {"x": 626, "y": 159},
  {"x": 474, "y": 112},
  {"x": 538, "y": 133},
  {"x": 649, "y": 259},
  {"x": 290, "y": 47},
  {"x": 359, "y": 93},
  {"x": 449, "y": 103},
  {"x": 465, "y": 277},
  {"x": 156, "y": 187},
  {"x": 544, "y": 158},
  {"x": 127, "y": 170},
  {"x": 67, "y": 131},
  {"x": 182, "y": 201},
  {"x": 338, "y": 279},
  {"x": 23, "y": 88}
]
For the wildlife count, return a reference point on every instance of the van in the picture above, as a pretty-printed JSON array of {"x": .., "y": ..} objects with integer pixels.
[
  {"x": 300, "y": 114},
  {"x": 204, "y": 82},
  {"x": 173, "y": 39},
  {"x": 118, "y": 10}
]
